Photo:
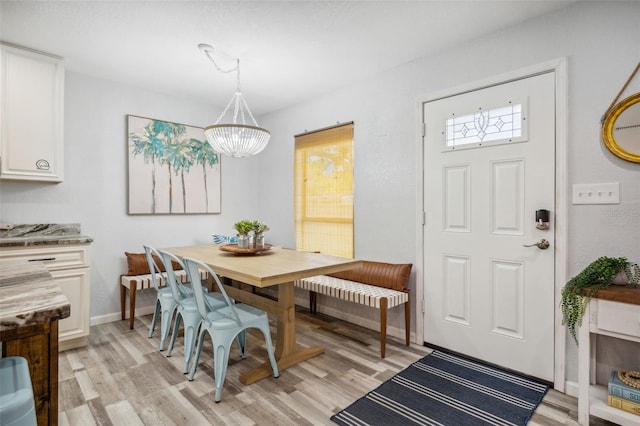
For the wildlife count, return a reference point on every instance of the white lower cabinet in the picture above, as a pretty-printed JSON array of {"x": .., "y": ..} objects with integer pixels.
[{"x": 69, "y": 267}]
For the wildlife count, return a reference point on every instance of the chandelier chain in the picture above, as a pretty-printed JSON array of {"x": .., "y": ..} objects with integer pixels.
[
  {"x": 240, "y": 105},
  {"x": 236, "y": 139},
  {"x": 207, "y": 51}
]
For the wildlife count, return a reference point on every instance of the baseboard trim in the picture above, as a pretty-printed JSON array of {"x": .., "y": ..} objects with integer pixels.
[
  {"x": 117, "y": 316},
  {"x": 571, "y": 388},
  {"x": 364, "y": 322}
]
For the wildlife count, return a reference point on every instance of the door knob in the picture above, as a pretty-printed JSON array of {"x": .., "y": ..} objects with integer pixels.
[{"x": 542, "y": 244}]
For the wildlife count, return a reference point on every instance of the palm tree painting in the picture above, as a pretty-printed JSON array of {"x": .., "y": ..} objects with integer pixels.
[{"x": 172, "y": 168}]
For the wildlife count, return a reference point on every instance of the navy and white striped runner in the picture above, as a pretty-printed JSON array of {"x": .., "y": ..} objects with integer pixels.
[{"x": 443, "y": 389}]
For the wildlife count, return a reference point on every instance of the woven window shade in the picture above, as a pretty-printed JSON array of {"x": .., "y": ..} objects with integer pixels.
[{"x": 323, "y": 190}]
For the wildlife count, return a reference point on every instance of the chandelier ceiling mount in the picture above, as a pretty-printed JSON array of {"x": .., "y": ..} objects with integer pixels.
[{"x": 235, "y": 136}]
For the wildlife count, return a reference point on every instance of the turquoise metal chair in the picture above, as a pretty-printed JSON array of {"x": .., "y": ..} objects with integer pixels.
[
  {"x": 165, "y": 302},
  {"x": 225, "y": 324},
  {"x": 186, "y": 308}
]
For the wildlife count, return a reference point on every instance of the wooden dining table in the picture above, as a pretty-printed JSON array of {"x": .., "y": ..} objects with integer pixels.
[{"x": 275, "y": 267}]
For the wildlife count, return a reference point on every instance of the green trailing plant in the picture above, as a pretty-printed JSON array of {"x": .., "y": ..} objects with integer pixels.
[
  {"x": 243, "y": 227},
  {"x": 600, "y": 274}
]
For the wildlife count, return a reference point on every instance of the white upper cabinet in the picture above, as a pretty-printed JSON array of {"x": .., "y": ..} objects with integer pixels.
[{"x": 31, "y": 115}]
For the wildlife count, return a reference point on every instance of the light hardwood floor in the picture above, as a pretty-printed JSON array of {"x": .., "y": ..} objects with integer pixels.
[{"x": 121, "y": 378}]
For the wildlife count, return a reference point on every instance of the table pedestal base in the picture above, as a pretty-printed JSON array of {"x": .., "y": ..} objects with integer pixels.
[
  {"x": 286, "y": 361},
  {"x": 287, "y": 351}
]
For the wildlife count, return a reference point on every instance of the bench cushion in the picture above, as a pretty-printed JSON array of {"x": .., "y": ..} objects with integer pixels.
[
  {"x": 352, "y": 291},
  {"x": 137, "y": 264},
  {"x": 387, "y": 275},
  {"x": 144, "y": 280}
]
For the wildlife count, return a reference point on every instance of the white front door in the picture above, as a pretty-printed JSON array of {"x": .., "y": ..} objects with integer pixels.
[{"x": 489, "y": 165}]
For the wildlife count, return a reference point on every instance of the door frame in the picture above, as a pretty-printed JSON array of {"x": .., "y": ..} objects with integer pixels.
[{"x": 559, "y": 67}]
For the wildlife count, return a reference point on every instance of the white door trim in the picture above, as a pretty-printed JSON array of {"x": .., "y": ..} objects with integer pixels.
[{"x": 559, "y": 66}]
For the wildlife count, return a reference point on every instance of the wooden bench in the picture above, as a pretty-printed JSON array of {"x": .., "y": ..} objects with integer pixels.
[
  {"x": 132, "y": 283},
  {"x": 376, "y": 284}
]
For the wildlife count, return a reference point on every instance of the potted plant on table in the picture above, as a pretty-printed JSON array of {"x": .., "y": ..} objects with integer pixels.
[
  {"x": 259, "y": 229},
  {"x": 243, "y": 228},
  {"x": 598, "y": 275}
]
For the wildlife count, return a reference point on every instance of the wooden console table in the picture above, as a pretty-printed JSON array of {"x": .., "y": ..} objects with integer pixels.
[
  {"x": 612, "y": 312},
  {"x": 30, "y": 306}
]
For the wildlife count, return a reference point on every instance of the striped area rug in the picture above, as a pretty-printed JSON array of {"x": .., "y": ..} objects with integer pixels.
[{"x": 443, "y": 389}]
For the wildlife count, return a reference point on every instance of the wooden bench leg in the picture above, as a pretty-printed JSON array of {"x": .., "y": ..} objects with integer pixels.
[
  {"x": 122, "y": 300},
  {"x": 407, "y": 320},
  {"x": 132, "y": 303},
  {"x": 313, "y": 300},
  {"x": 211, "y": 285},
  {"x": 383, "y": 326}
]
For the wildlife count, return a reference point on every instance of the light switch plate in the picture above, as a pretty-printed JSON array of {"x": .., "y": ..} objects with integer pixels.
[{"x": 596, "y": 193}]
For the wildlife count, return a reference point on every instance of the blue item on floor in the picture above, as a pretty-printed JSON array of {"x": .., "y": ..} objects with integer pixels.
[{"x": 17, "y": 407}]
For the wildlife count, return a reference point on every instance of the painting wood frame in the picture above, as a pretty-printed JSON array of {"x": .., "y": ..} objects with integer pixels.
[{"x": 172, "y": 169}]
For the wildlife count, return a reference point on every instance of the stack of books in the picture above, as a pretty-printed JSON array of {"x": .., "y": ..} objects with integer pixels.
[{"x": 622, "y": 395}]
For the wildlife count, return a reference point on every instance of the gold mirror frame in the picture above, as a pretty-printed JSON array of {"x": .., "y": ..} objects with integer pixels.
[{"x": 608, "y": 127}]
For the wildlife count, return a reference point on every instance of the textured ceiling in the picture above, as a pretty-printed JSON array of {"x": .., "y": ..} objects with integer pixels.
[{"x": 289, "y": 50}]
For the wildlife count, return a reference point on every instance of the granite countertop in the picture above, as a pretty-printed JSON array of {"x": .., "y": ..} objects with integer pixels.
[
  {"x": 45, "y": 240},
  {"x": 42, "y": 234},
  {"x": 29, "y": 296}
]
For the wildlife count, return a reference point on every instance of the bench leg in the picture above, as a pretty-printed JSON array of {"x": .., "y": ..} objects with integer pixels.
[
  {"x": 383, "y": 326},
  {"x": 132, "y": 303},
  {"x": 407, "y": 320},
  {"x": 122, "y": 301},
  {"x": 313, "y": 300},
  {"x": 223, "y": 280}
]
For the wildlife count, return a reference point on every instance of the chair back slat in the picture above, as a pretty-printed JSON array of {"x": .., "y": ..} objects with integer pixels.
[
  {"x": 154, "y": 269},
  {"x": 198, "y": 292},
  {"x": 177, "y": 289},
  {"x": 171, "y": 277},
  {"x": 193, "y": 266}
]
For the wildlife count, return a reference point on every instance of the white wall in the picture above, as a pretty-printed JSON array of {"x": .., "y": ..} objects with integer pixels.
[{"x": 601, "y": 41}]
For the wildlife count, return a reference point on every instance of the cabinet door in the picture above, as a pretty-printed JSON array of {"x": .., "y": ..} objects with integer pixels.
[
  {"x": 31, "y": 115},
  {"x": 75, "y": 286}
]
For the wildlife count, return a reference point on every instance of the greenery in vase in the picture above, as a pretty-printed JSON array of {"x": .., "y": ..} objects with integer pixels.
[
  {"x": 243, "y": 227},
  {"x": 598, "y": 275},
  {"x": 259, "y": 227}
]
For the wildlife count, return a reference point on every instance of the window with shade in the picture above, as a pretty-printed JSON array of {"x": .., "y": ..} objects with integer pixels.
[{"x": 323, "y": 190}]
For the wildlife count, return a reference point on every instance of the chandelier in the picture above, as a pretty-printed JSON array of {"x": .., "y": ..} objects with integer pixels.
[{"x": 236, "y": 138}]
